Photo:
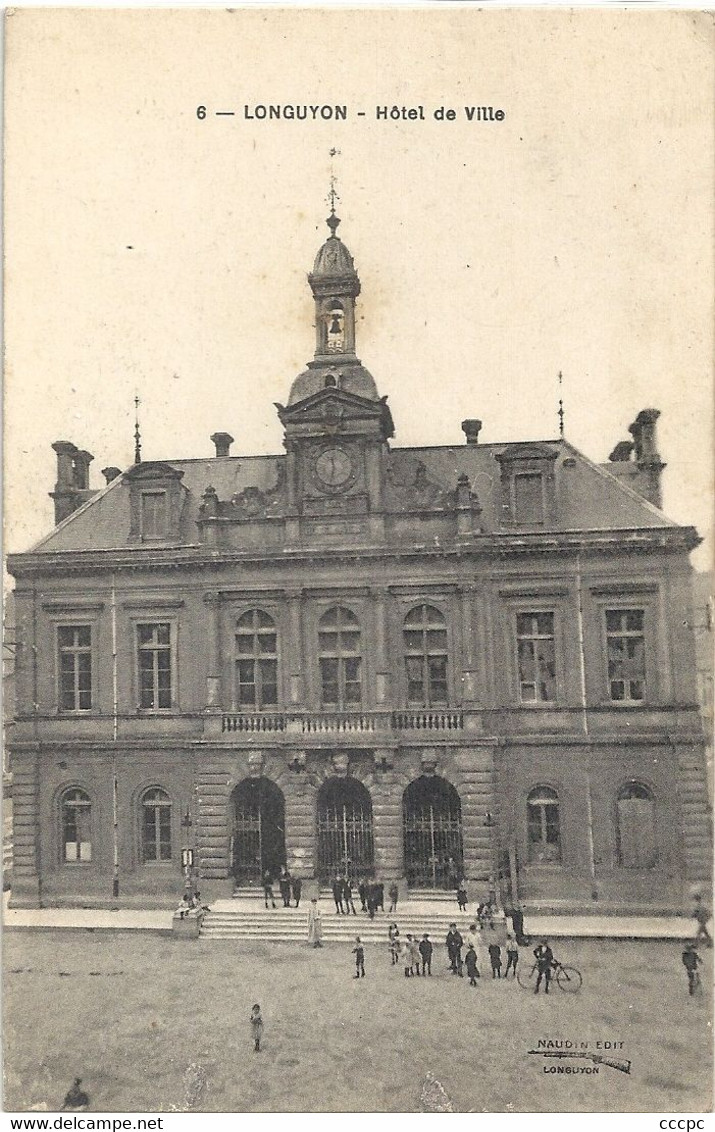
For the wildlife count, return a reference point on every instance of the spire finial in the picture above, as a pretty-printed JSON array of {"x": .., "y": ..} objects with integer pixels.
[
  {"x": 560, "y": 413},
  {"x": 137, "y": 435},
  {"x": 333, "y": 220}
]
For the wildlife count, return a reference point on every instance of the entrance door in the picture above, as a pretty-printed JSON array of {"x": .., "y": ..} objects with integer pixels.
[
  {"x": 258, "y": 830},
  {"x": 345, "y": 842},
  {"x": 432, "y": 817}
]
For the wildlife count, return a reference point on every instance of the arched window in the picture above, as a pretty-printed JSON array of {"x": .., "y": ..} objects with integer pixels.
[
  {"x": 635, "y": 827},
  {"x": 156, "y": 825},
  {"x": 544, "y": 826},
  {"x": 425, "y": 636},
  {"x": 76, "y": 818},
  {"x": 256, "y": 661},
  {"x": 340, "y": 659}
]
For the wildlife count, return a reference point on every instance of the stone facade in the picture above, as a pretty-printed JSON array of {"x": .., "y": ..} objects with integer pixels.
[{"x": 403, "y": 662}]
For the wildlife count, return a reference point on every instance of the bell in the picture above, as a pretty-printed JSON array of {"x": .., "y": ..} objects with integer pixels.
[{"x": 334, "y": 325}]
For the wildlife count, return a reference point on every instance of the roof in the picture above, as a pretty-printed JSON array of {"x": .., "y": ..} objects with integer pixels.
[{"x": 589, "y": 498}]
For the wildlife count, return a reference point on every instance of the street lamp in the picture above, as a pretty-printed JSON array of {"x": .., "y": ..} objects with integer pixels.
[
  {"x": 490, "y": 824},
  {"x": 187, "y": 853}
]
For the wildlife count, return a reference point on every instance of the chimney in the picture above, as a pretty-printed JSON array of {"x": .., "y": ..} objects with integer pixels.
[
  {"x": 647, "y": 457},
  {"x": 65, "y": 493},
  {"x": 111, "y": 473},
  {"x": 471, "y": 430},
  {"x": 223, "y": 442},
  {"x": 82, "y": 460}
]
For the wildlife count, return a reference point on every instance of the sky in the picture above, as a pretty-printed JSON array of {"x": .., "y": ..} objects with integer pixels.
[{"x": 153, "y": 251}]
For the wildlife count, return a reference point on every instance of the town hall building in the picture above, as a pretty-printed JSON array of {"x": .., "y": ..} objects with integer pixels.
[{"x": 352, "y": 657}]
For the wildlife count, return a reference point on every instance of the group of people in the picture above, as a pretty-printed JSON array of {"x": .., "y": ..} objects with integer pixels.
[
  {"x": 287, "y": 884},
  {"x": 415, "y": 956},
  {"x": 370, "y": 892}
]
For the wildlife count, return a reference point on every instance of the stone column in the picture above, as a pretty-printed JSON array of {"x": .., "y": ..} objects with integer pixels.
[
  {"x": 382, "y": 663},
  {"x": 294, "y": 649},
  {"x": 300, "y": 820}
]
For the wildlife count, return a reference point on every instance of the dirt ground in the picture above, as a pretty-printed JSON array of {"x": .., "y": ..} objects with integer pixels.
[{"x": 152, "y": 1024}]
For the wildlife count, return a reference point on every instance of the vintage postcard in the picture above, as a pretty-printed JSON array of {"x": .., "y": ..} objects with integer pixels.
[{"x": 358, "y": 619}]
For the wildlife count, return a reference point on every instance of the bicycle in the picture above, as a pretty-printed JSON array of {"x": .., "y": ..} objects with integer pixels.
[{"x": 568, "y": 979}]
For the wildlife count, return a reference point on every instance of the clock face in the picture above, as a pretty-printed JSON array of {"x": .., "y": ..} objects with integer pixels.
[{"x": 333, "y": 467}]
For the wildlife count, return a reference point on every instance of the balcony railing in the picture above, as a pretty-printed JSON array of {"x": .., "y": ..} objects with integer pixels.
[{"x": 343, "y": 722}]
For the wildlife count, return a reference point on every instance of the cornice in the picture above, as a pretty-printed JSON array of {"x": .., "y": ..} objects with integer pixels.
[{"x": 501, "y": 544}]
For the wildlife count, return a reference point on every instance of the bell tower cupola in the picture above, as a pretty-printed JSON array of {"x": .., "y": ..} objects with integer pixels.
[{"x": 335, "y": 286}]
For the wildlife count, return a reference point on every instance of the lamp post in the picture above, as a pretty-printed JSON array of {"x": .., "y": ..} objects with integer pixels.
[
  {"x": 187, "y": 853},
  {"x": 490, "y": 824}
]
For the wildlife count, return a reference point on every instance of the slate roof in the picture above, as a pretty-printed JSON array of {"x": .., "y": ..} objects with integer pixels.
[{"x": 588, "y": 496}]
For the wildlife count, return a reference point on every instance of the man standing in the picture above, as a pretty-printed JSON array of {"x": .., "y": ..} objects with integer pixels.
[
  {"x": 700, "y": 913},
  {"x": 545, "y": 963},
  {"x": 284, "y": 885},
  {"x": 454, "y": 949},
  {"x": 348, "y": 897},
  {"x": 315, "y": 924},
  {"x": 691, "y": 962},
  {"x": 268, "y": 888},
  {"x": 297, "y": 887},
  {"x": 338, "y": 894},
  {"x": 393, "y": 892}
]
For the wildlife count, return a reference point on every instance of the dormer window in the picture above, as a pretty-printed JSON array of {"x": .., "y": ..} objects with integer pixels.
[
  {"x": 153, "y": 515},
  {"x": 528, "y": 498},
  {"x": 528, "y": 495},
  {"x": 156, "y": 499}
]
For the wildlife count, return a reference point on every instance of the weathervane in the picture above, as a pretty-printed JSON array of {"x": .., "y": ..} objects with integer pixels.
[
  {"x": 137, "y": 435},
  {"x": 333, "y": 220},
  {"x": 560, "y": 413}
]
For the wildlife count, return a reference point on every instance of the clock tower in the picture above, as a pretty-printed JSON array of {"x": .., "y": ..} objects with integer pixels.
[{"x": 336, "y": 425}]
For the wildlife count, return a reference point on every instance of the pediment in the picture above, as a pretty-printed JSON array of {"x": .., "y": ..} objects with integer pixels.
[
  {"x": 152, "y": 470},
  {"x": 515, "y": 452},
  {"x": 327, "y": 403}
]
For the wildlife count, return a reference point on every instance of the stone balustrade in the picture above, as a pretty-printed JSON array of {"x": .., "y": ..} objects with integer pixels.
[{"x": 343, "y": 722}]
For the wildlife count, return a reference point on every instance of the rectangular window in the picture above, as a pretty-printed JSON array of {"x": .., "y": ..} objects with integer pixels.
[
  {"x": 153, "y": 514},
  {"x": 154, "y": 646},
  {"x": 536, "y": 657},
  {"x": 75, "y": 667},
  {"x": 528, "y": 498},
  {"x": 625, "y": 643}
]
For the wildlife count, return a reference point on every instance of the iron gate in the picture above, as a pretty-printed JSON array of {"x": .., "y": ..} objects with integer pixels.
[
  {"x": 258, "y": 830},
  {"x": 345, "y": 841},
  {"x": 432, "y": 817}
]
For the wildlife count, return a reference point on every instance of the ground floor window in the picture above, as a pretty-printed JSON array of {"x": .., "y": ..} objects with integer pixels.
[
  {"x": 544, "y": 826},
  {"x": 636, "y": 841},
  {"x": 76, "y": 815},
  {"x": 156, "y": 826}
]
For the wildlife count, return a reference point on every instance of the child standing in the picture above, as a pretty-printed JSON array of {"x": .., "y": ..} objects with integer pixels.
[
  {"x": 393, "y": 935},
  {"x": 462, "y": 894},
  {"x": 512, "y": 955},
  {"x": 495, "y": 960},
  {"x": 359, "y": 953},
  {"x": 470, "y": 962},
  {"x": 426, "y": 953},
  {"x": 256, "y": 1027}
]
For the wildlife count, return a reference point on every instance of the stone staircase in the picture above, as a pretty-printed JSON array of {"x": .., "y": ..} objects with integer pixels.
[{"x": 242, "y": 918}]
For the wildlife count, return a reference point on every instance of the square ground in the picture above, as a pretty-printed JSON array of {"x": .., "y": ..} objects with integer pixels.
[{"x": 153, "y": 1024}]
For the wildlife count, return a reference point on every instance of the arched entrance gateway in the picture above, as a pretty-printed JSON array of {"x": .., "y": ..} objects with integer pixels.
[
  {"x": 258, "y": 840},
  {"x": 432, "y": 816},
  {"x": 345, "y": 843}
]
